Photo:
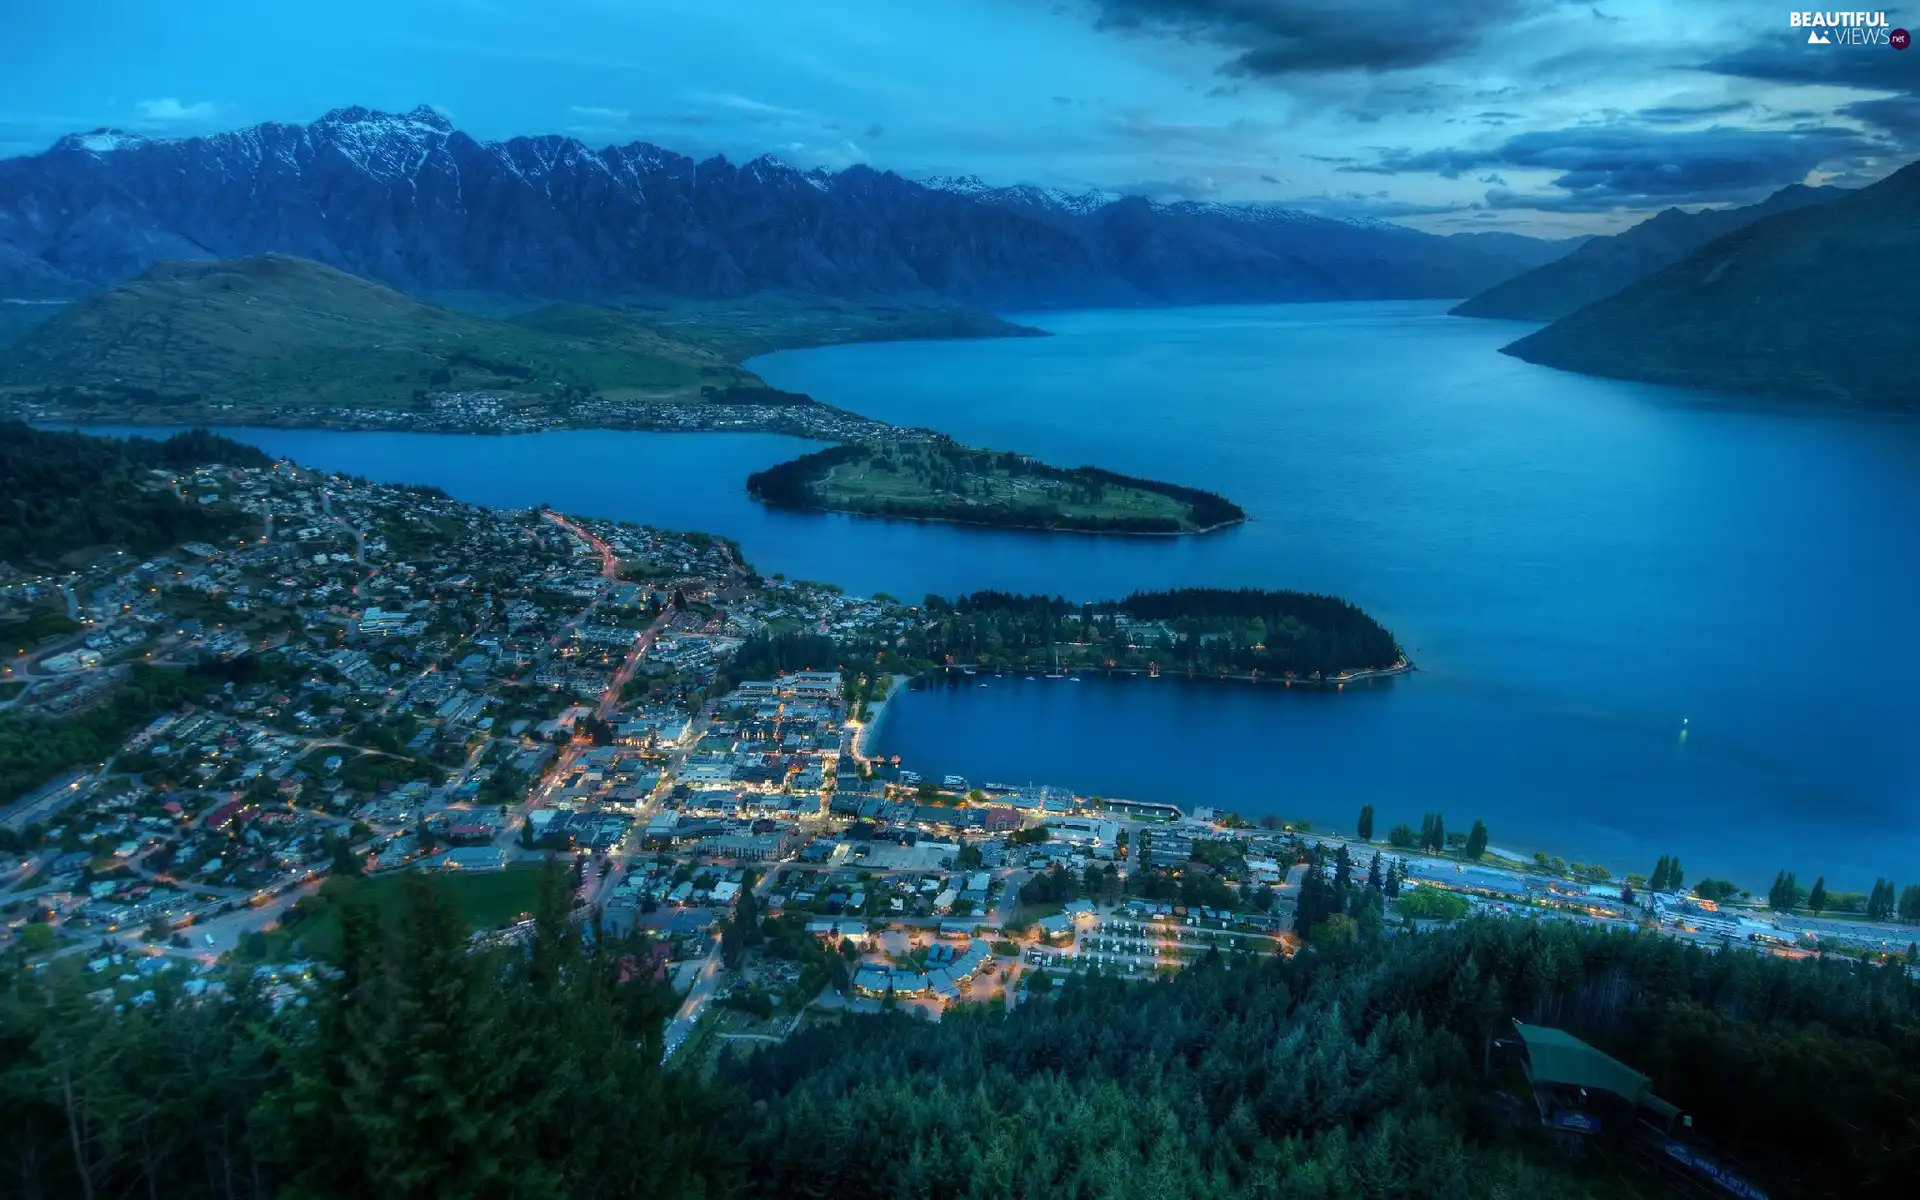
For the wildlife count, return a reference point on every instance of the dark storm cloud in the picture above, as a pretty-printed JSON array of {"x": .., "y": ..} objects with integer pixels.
[
  {"x": 1607, "y": 166},
  {"x": 1686, "y": 114},
  {"x": 1143, "y": 129},
  {"x": 1899, "y": 116},
  {"x": 1789, "y": 61},
  {"x": 1291, "y": 37},
  {"x": 1168, "y": 190}
]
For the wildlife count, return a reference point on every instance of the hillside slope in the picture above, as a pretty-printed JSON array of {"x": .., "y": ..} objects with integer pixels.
[
  {"x": 275, "y": 329},
  {"x": 408, "y": 200},
  {"x": 1604, "y": 265},
  {"x": 1818, "y": 303},
  {"x": 66, "y": 492}
]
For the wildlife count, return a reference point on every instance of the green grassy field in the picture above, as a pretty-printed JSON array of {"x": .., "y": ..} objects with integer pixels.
[{"x": 487, "y": 899}]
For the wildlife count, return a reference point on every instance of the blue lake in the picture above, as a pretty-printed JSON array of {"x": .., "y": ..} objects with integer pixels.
[{"x": 1577, "y": 565}]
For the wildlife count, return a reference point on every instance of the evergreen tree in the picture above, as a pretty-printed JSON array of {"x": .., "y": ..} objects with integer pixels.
[
  {"x": 1776, "y": 895},
  {"x": 1662, "y": 875},
  {"x": 1817, "y": 898},
  {"x": 1477, "y": 840},
  {"x": 1439, "y": 833},
  {"x": 1676, "y": 878},
  {"x": 1316, "y": 901},
  {"x": 343, "y": 862},
  {"x": 1910, "y": 903},
  {"x": 1879, "y": 901},
  {"x": 1342, "y": 874},
  {"x": 1366, "y": 823},
  {"x": 1374, "y": 880}
]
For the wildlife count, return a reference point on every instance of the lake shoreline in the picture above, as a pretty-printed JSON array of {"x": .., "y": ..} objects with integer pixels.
[
  {"x": 1135, "y": 533},
  {"x": 876, "y": 712},
  {"x": 1404, "y": 667}
]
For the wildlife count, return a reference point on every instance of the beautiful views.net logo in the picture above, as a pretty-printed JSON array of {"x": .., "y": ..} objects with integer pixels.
[{"x": 1849, "y": 29}]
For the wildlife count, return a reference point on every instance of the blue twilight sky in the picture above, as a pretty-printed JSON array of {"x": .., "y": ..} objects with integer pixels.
[{"x": 1540, "y": 116}]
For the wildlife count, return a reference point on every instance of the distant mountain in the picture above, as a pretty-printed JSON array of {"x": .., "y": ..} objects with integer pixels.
[
  {"x": 1604, "y": 265},
  {"x": 1532, "y": 251},
  {"x": 274, "y": 329},
  {"x": 412, "y": 202},
  {"x": 1819, "y": 302}
]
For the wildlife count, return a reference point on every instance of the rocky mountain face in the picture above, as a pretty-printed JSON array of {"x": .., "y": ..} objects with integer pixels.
[
  {"x": 1815, "y": 303},
  {"x": 1604, "y": 265},
  {"x": 414, "y": 203}
]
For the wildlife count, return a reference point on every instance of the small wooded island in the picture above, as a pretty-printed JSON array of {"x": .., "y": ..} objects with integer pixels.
[
  {"x": 940, "y": 481},
  {"x": 1244, "y": 633}
]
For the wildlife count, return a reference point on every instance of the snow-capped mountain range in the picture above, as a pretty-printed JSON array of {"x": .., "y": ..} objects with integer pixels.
[{"x": 411, "y": 201}]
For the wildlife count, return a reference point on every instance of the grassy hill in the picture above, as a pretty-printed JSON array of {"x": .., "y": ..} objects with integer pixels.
[
  {"x": 1818, "y": 303},
  {"x": 270, "y": 330}
]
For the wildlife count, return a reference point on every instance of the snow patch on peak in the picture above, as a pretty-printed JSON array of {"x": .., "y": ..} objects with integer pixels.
[
  {"x": 960, "y": 185},
  {"x": 101, "y": 141},
  {"x": 427, "y": 114},
  {"x": 1024, "y": 195},
  {"x": 766, "y": 165},
  {"x": 1273, "y": 214},
  {"x": 422, "y": 116},
  {"x": 1079, "y": 202},
  {"x": 385, "y": 145}
]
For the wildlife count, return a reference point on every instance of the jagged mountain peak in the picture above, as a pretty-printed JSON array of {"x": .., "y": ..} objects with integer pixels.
[
  {"x": 421, "y": 116},
  {"x": 409, "y": 201},
  {"x": 959, "y": 185}
]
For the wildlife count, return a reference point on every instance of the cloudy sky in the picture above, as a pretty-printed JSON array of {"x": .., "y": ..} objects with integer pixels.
[{"x": 1537, "y": 116}]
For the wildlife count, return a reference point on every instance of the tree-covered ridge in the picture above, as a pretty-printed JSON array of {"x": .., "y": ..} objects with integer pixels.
[
  {"x": 941, "y": 481},
  {"x": 67, "y": 491},
  {"x": 419, "y": 1067},
  {"x": 1208, "y": 630},
  {"x": 1365, "y": 1067},
  {"x": 1368, "y": 1070},
  {"x": 34, "y": 748}
]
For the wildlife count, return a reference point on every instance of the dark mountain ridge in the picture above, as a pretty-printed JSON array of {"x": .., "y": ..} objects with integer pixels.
[
  {"x": 416, "y": 204},
  {"x": 1817, "y": 303},
  {"x": 1604, "y": 265}
]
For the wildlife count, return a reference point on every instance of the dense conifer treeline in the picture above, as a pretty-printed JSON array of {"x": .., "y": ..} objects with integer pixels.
[
  {"x": 34, "y": 748},
  {"x": 67, "y": 491},
  {"x": 1368, "y": 1070},
  {"x": 1364, "y": 1069},
  {"x": 421, "y": 1068},
  {"x": 1209, "y": 630}
]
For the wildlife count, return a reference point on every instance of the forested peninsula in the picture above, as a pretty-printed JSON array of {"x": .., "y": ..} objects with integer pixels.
[
  {"x": 937, "y": 480},
  {"x": 1246, "y": 632}
]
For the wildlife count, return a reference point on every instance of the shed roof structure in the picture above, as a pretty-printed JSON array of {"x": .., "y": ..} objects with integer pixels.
[{"x": 1555, "y": 1058}]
